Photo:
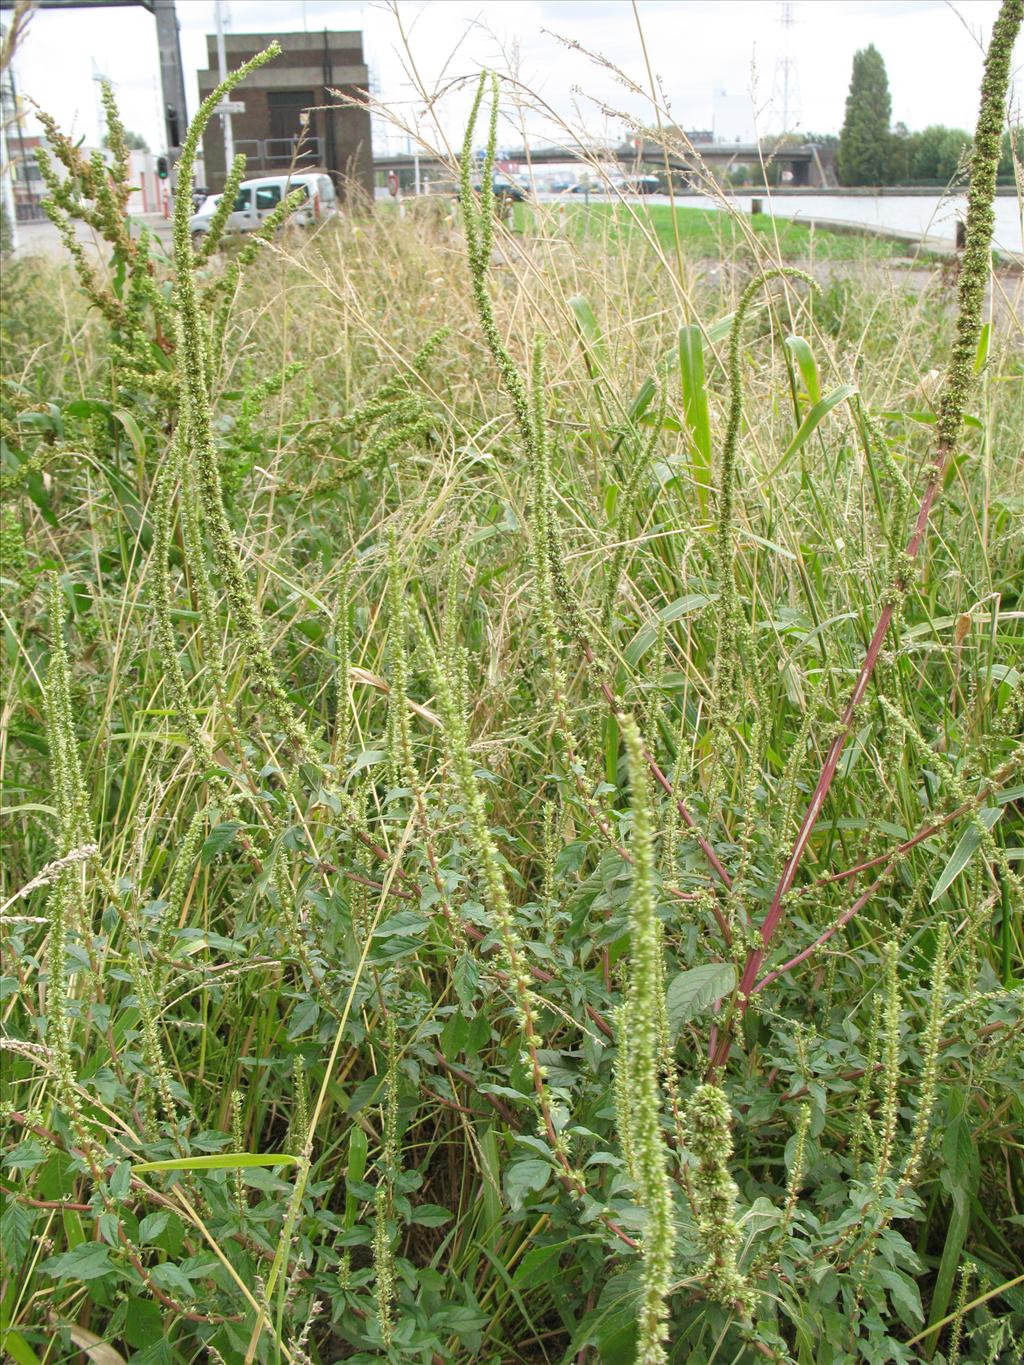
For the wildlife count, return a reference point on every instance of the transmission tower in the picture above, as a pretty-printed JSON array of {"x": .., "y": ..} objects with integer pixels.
[{"x": 786, "y": 86}]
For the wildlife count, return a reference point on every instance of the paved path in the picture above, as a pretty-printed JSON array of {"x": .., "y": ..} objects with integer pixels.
[{"x": 42, "y": 239}]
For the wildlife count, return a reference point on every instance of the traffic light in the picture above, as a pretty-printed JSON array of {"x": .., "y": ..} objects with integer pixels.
[{"x": 163, "y": 169}]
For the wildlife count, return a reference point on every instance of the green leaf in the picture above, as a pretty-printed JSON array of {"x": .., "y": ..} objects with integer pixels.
[
  {"x": 695, "y": 408},
  {"x": 539, "y": 1265},
  {"x": 403, "y": 925},
  {"x": 674, "y": 611},
  {"x": 358, "y": 1150},
  {"x": 956, "y": 1235},
  {"x": 691, "y": 993},
  {"x": 800, "y": 349},
  {"x": 905, "y": 1295},
  {"x": 466, "y": 978},
  {"x": 134, "y": 433},
  {"x": 13, "y": 1344},
  {"x": 525, "y": 1177},
  {"x": 430, "y": 1216},
  {"x": 305, "y": 1016},
  {"x": 172, "y": 1281},
  {"x": 961, "y": 1165},
  {"x": 88, "y": 1261},
  {"x": 219, "y": 1161},
  {"x": 595, "y": 352},
  {"x": 151, "y": 1227},
  {"x": 811, "y": 423},
  {"x": 368, "y": 758},
  {"x": 964, "y": 851},
  {"x": 218, "y": 839}
]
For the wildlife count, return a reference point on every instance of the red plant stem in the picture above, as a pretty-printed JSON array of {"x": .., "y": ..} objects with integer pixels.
[
  {"x": 927, "y": 830},
  {"x": 774, "y": 916},
  {"x": 824, "y": 937}
]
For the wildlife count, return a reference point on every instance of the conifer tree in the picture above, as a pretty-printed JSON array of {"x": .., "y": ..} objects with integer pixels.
[{"x": 864, "y": 140}]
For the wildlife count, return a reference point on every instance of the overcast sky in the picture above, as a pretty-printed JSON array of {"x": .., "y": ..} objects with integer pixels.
[{"x": 720, "y": 62}]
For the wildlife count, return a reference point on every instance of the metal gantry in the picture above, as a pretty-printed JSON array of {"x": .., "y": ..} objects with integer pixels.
[{"x": 172, "y": 74}]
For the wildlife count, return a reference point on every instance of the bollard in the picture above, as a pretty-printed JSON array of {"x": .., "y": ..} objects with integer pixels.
[
  {"x": 755, "y": 207},
  {"x": 961, "y": 234}
]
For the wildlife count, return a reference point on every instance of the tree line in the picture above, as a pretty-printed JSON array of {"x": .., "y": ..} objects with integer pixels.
[{"x": 869, "y": 151}]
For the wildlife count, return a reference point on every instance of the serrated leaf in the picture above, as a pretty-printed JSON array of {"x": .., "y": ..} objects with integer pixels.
[{"x": 691, "y": 993}]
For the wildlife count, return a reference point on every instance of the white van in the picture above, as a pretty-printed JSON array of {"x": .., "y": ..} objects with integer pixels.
[{"x": 258, "y": 198}]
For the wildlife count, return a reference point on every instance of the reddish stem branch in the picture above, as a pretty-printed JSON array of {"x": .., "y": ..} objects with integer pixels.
[
  {"x": 928, "y": 829},
  {"x": 843, "y": 919},
  {"x": 773, "y": 919}
]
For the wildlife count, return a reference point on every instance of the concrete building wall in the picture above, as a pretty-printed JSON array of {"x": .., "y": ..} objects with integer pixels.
[{"x": 310, "y": 65}]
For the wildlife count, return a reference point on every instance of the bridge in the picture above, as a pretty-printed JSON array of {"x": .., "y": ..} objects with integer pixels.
[{"x": 649, "y": 158}]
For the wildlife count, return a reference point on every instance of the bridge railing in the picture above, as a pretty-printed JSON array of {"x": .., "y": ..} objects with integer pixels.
[{"x": 278, "y": 153}]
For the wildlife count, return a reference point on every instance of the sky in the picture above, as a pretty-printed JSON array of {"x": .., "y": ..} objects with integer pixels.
[{"x": 720, "y": 63}]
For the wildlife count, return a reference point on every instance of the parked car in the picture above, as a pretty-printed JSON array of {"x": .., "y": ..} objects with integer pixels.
[
  {"x": 258, "y": 198},
  {"x": 642, "y": 184}
]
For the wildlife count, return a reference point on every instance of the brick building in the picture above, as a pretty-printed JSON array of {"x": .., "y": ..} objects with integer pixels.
[{"x": 275, "y": 97}]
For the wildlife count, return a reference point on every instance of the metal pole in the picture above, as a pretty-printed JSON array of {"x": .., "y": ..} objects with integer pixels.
[
  {"x": 222, "y": 69},
  {"x": 7, "y": 168},
  {"x": 172, "y": 77}
]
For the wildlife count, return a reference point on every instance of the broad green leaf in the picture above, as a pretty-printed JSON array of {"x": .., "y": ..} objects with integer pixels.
[
  {"x": 695, "y": 407},
  {"x": 13, "y": 1344},
  {"x": 800, "y": 349},
  {"x": 525, "y": 1177},
  {"x": 88, "y": 1261},
  {"x": 905, "y": 1295},
  {"x": 674, "y": 611},
  {"x": 172, "y": 1281},
  {"x": 430, "y": 1216},
  {"x": 218, "y": 839},
  {"x": 539, "y": 1265},
  {"x": 219, "y": 1161},
  {"x": 691, "y": 993},
  {"x": 964, "y": 851}
]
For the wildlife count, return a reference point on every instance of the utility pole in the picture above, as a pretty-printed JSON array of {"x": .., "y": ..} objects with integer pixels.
[
  {"x": 222, "y": 68},
  {"x": 8, "y": 113}
]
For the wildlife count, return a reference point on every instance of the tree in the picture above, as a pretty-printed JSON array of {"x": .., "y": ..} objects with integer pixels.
[
  {"x": 937, "y": 154},
  {"x": 864, "y": 141}
]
